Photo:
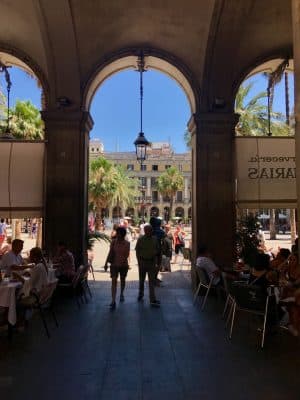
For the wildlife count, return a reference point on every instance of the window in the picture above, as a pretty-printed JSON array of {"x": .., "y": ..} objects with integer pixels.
[
  {"x": 180, "y": 167},
  {"x": 154, "y": 167},
  {"x": 179, "y": 196},
  {"x": 130, "y": 167},
  {"x": 143, "y": 167},
  {"x": 154, "y": 196},
  {"x": 166, "y": 199},
  {"x": 143, "y": 181},
  {"x": 153, "y": 182},
  {"x": 92, "y": 149},
  {"x": 167, "y": 166}
]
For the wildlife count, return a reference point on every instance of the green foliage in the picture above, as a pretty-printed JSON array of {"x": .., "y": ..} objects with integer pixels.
[
  {"x": 25, "y": 121},
  {"x": 110, "y": 185},
  {"x": 247, "y": 238},
  {"x": 96, "y": 236},
  {"x": 188, "y": 139},
  {"x": 253, "y": 113},
  {"x": 168, "y": 183}
]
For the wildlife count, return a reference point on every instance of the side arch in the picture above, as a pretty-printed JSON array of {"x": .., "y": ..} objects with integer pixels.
[{"x": 10, "y": 55}]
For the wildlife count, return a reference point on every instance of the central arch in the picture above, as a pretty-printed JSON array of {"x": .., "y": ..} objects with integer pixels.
[{"x": 154, "y": 59}]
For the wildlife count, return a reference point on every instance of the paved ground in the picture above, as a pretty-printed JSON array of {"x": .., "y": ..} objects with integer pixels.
[{"x": 137, "y": 352}]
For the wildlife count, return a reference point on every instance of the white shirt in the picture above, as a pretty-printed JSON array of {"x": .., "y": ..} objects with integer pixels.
[
  {"x": 9, "y": 259},
  {"x": 38, "y": 277},
  {"x": 2, "y": 228},
  {"x": 209, "y": 266},
  {"x": 142, "y": 231}
]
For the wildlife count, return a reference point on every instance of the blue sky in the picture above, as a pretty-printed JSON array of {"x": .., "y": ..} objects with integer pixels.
[{"x": 115, "y": 107}]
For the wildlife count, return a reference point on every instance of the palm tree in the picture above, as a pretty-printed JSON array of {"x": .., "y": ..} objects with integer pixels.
[
  {"x": 109, "y": 185},
  {"x": 254, "y": 115},
  {"x": 168, "y": 184},
  {"x": 188, "y": 139},
  {"x": 25, "y": 121},
  {"x": 102, "y": 186},
  {"x": 126, "y": 191}
]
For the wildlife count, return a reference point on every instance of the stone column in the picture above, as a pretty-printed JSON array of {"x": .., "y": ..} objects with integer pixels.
[
  {"x": 213, "y": 206},
  {"x": 296, "y": 45},
  {"x": 186, "y": 189},
  {"x": 67, "y": 136},
  {"x": 148, "y": 191}
]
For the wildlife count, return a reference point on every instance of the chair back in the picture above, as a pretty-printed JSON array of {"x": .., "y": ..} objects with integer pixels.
[
  {"x": 186, "y": 252},
  {"x": 249, "y": 297},
  {"x": 202, "y": 276},
  {"x": 47, "y": 292}
]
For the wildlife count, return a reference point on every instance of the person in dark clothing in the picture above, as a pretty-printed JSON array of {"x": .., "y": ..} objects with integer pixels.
[
  {"x": 159, "y": 233},
  {"x": 166, "y": 250},
  {"x": 260, "y": 270}
]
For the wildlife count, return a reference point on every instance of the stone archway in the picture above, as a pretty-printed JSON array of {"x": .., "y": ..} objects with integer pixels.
[
  {"x": 10, "y": 56},
  {"x": 179, "y": 212},
  {"x": 154, "y": 212},
  {"x": 154, "y": 59}
]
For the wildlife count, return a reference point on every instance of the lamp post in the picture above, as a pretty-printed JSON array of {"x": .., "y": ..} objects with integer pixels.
[
  {"x": 141, "y": 143},
  {"x": 7, "y": 135}
]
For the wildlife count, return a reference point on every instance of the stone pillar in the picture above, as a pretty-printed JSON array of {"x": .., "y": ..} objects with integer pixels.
[
  {"x": 67, "y": 136},
  {"x": 213, "y": 200},
  {"x": 186, "y": 194},
  {"x": 296, "y": 48},
  {"x": 148, "y": 191}
]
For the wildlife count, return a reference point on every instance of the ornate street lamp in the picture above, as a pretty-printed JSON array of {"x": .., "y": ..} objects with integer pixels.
[
  {"x": 141, "y": 143},
  {"x": 7, "y": 135}
]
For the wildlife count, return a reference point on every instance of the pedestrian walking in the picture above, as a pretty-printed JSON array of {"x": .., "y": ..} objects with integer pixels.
[
  {"x": 118, "y": 259},
  {"x": 2, "y": 231},
  {"x": 147, "y": 251}
]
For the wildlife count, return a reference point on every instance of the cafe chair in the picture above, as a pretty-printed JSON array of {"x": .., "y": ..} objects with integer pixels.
[
  {"x": 84, "y": 280},
  {"x": 186, "y": 257},
  {"x": 41, "y": 301},
  {"x": 91, "y": 269},
  {"x": 204, "y": 283},
  {"x": 228, "y": 308},
  {"x": 251, "y": 299}
]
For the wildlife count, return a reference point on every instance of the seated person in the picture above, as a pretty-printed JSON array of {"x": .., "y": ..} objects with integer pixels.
[
  {"x": 295, "y": 247},
  {"x": 7, "y": 247},
  {"x": 65, "y": 263},
  {"x": 204, "y": 261},
  {"x": 292, "y": 271},
  {"x": 260, "y": 272},
  {"x": 280, "y": 261},
  {"x": 13, "y": 260},
  {"x": 38, "y": 273}
]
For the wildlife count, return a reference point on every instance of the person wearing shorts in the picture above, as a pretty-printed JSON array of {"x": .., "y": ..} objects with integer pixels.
[
  {"x": 178, "y": 241},
  {"x": 118, "y": 258}
]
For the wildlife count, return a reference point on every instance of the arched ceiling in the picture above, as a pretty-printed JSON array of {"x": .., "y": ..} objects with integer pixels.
[{"x": 218, "y": 41}]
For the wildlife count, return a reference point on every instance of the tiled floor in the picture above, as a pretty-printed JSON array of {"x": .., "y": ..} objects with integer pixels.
[{"x": 137, "y": 352}]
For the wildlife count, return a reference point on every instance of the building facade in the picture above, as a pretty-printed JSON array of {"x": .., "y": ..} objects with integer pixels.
[{"x": 150, "y": 202}]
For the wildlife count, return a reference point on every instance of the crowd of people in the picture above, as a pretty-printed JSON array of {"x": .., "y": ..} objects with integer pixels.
[
  {"x": 154, "y": 248},
  {"x": 14, "y": 265},
  {"x": 280, "y": 271}
]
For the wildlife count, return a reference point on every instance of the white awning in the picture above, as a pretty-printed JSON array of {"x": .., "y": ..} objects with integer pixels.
[{"x": 22, "y": 166}]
